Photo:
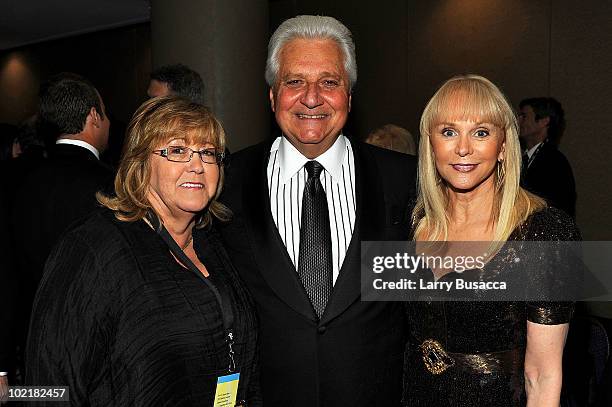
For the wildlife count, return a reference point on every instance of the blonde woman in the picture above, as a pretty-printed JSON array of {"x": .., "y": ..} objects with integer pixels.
[
  {"x": 140, "y": 304},
  {"x": 481, "y": 353}
]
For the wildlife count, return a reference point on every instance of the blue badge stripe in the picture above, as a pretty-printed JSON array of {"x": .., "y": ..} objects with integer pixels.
[{"x": 228, "y": 378}]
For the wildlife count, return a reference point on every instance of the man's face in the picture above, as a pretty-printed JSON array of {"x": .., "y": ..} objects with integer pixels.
[
  {"x": 311, "y": 98},
  {"x": 157, "y": 88},
  {"x": 531, "y": 129}
]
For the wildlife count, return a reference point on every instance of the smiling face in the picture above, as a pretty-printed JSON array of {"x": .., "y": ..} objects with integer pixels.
[
  {"x": 181, "y": 190},
  {"x": 466, "y": 153},
  {"x": 311, "y": 99}
]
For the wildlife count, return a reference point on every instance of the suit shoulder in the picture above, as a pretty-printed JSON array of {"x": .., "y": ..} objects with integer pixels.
[
  {"x": 383, "y": 154},
  {"x": 391, "y": 162},
  {"x": 552, "y": 154},
  {"x": 249, "y": 154}
]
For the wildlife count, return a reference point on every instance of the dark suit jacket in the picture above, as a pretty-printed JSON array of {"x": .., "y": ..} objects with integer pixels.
[
  {"x": 353, "y": 355},
  {"x": 51, "y": 196},
  {"x": 550, "y": 176}
]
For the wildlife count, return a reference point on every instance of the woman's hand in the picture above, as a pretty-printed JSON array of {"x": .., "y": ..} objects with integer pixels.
[{"x": 543, "y": 363}]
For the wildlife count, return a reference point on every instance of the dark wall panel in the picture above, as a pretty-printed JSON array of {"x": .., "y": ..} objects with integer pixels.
[{"x": 581, "y": 65}]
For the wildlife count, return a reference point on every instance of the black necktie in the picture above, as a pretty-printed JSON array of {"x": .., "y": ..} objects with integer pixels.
[
  {"x": 315, "y": 260},
  {"x": 524, "y": 166}
]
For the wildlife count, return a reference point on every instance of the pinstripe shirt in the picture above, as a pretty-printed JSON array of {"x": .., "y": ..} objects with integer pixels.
[{"x": 286, "y": 179}]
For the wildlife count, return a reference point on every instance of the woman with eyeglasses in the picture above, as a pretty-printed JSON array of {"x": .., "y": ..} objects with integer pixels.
[{"x": 140, "y": 304}]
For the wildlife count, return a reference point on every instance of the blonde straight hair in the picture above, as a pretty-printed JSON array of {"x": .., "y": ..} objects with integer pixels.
[{"x": 479, "y": 101}]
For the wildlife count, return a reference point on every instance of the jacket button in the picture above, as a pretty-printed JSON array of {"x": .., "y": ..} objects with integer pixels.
[{"x": 321, "y": 329}]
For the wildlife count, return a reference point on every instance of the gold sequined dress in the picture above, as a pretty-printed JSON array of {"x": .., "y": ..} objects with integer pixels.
[{"x": 477, "y": 348}]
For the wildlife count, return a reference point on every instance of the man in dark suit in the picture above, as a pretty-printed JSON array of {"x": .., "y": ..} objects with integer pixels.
[
  {"x": 302, "y": 204},
  {"x": 546, "y": 171},
  {"x": 61, "y": 189}
]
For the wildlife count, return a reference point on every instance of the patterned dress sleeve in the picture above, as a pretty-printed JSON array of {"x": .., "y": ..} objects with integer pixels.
[{"x": 555, "y": 231}]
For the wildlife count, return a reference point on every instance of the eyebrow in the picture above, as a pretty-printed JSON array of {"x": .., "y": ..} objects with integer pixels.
[
  {"x": 476, "y": 124},
  {"x": 321, "y": 75}
]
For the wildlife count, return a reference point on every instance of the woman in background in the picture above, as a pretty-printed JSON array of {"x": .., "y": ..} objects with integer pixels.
[{"x": 474, "y": 353}]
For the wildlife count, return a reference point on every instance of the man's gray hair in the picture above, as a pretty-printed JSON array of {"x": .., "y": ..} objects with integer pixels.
[{"x": 311, "y": 27}]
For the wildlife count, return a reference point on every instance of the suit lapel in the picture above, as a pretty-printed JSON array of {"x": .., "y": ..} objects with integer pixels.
[
  {"x": 370, "y": 221},
  {"x": 270, "y": 252}
]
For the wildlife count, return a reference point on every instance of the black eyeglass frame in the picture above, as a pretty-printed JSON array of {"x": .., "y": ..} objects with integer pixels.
[{"x": 164, "y": 152}]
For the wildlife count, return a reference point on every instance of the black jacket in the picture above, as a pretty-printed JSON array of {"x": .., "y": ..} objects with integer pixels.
[
  {"x": 550, "y": 176},
  {"x": 353, "y": 356},
  {"x": 50, "y": 197}
]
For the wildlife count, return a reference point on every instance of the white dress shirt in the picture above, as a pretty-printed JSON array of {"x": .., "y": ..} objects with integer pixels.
[
  {"x": 532, "y": 150},
  {"x": 79, "y": 143},
  {"x": 286, "y": 179}
]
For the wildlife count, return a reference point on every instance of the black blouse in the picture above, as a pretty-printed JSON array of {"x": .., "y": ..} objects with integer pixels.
[{"x": 120, "y": 322}]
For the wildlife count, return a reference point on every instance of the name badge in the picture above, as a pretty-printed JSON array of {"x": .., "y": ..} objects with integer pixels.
[{"x": 227, "y": 390}]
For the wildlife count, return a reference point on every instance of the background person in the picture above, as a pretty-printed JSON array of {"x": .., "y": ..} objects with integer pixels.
[
  {"x": 501, "y": 353},
  {"x": 546, "y": 171},
  {"x": 49, "y": 195},
  {"x": 394, "y": 138},
  {"x": 127, "y": 311},
  {"x": 177, "y": 80}
]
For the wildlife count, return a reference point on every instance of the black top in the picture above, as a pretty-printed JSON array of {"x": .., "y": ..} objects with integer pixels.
[
  {"x": 120, "y": 322},
  {"x": 492, "y": 334}
]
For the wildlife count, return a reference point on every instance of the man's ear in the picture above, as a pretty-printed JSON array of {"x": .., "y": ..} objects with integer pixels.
[
  {"x": 349, "y": 101},
  {"x": 93, "y": 117},
  {"x": 272, "y": 99},
  {"x": 545, "y": 121}
]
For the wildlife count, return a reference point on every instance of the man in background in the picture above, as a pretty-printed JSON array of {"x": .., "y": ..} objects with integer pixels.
[
  {"x": 61, "y": 189},
  {"x": 546, "y": 171},
  {"x": 177, "y": 80}
]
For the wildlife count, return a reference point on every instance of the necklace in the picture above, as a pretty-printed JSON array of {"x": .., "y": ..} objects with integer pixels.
[{"x": 187, "y": 244}]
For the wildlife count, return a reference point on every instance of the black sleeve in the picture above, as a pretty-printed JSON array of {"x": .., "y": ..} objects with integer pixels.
[
  {"x": 559, "y": 274},
  {"x": 68, "y": 341}
]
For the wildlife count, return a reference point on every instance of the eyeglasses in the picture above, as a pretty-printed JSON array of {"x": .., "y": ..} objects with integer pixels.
[{"x": 180, "y": 154}]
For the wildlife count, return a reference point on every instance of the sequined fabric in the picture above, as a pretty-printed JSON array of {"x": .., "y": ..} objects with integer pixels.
[{"x": 487, "y": 338}]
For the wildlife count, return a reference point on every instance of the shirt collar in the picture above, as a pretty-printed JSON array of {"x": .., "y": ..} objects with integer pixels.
[
  {"x": 291, "y": 160},
  {"x": 532, "y": 150},
  {"x": 79, "y": 143}
]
